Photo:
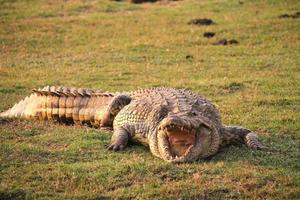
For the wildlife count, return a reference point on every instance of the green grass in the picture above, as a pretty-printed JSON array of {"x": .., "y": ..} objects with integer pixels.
[{"x": 119, "y": 46}]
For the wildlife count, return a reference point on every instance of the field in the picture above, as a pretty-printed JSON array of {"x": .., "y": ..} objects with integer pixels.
[{"x": 116, "y": 46}]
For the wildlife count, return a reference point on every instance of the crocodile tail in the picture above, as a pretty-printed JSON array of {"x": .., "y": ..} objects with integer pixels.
[
  {"x": 234, "y": 134},
  {"x": 65, "y": 105},
  {"x": 26, "y": 108}
]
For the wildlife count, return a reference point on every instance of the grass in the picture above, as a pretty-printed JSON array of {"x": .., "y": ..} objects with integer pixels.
[{"x": 119, "y": 46}]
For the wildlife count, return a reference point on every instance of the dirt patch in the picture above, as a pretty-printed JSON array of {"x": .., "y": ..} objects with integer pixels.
[
  {"x": 201, "y": 22},
  {"x": 189, "y": 57},
  {"x": 208, "y": 34},
  {"x": 233, "y": 87},
  {"x": 144, "y": 1},
  {"x": 138, "y": 1},
  {"x": 57, "y": 147},
  {"x": 225, "y": 42},
  {"x": 294, "y": 16}
]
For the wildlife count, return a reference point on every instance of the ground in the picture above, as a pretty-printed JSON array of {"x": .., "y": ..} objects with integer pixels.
[{"x": 115, "y": 46}]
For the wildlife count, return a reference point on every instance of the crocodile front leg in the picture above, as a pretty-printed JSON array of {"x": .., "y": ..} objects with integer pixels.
[
  {"x": 113, "y": 108},
  {"x": 123, "y": 134},
  {"x": 119, "y": 140}
]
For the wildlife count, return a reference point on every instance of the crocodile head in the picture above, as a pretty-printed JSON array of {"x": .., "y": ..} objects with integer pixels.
[{"x": 185, "y": 137}]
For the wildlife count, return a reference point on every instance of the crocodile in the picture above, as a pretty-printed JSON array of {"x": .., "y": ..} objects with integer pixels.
[{"x": 178, "y": 125}]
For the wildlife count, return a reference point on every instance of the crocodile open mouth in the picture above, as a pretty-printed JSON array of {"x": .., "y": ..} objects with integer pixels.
[
  {"x": 177, "y": 141},
  {"x": 180, "y": 139}
]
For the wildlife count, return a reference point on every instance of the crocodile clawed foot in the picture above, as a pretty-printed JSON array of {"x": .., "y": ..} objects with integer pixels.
[
  {"x": 260, "y": 146},
  {"x": 116, "y": 146},
  {"x": 252, "y": 142}
]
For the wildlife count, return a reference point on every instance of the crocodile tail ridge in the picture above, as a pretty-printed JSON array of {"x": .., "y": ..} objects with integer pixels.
[{"x": 62, "y": 104}]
